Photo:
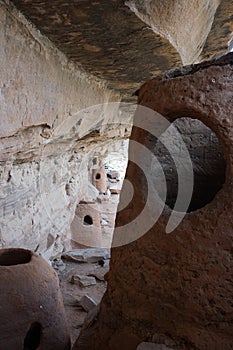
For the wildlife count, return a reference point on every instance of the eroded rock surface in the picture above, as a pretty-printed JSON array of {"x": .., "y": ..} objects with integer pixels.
[
  {"x": 185, "y": 24},
  {"x": 105, "y": 38},
  {"x": 49, "y": 131},
  {"x": 113, "y": 43}
]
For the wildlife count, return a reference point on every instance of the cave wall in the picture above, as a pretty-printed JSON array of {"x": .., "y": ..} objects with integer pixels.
[
  {"x": 174, "y": 289},
  {"x": 186, "y": 24},
  {"x": 198, "y": 29},
  {"x": 47, "y": 135}
]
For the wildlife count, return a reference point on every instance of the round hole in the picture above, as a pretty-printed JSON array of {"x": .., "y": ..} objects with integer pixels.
[
  {"x": 88, "y": 220},
  {"x": 9, "y": 257},
  {"x": 33, "y": 336},
  {"x": 206, "y": 154},
  {"x": 97, "y": 176}
]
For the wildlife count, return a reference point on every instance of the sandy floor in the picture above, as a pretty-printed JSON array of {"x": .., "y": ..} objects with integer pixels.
[{"x": 72, "y": 293}]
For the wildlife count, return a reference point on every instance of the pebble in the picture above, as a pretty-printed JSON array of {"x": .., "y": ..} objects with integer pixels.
[
  {"x": 90, "y": 255},
  {"x": 87, "y": 303},
  {"x": 83, "y": 281}
]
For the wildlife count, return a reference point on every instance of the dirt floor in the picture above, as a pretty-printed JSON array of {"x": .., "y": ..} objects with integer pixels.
[{"x": 72, "y": 293}]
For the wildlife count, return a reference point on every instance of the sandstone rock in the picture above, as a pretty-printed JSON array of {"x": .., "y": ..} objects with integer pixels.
[
  {"x": 45, "y": 150},
  {"x": 99, "y": 274},
  {"x": 112, "y": 181},
  {"x": 59, "y": 265},
  {"x": 113, "y": 174},
  {"x": 115, "y": 190},
  {"x": 196, "y": 16},
  {"x": 87, "y": 303},
  {"x": 90, "y": 255},
  {"x": 83, "y": 281},
  {"x": 93, "y": 55}
]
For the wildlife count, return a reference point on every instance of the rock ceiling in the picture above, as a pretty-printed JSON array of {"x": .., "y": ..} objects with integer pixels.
[{"x": 108, "y": 40}]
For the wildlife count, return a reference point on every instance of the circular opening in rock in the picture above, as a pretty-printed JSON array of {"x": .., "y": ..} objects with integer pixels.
[
  {"x": 97, "y": 176},
  {"x": 206, "y": 154},
  {"x": 87, "y": 220},
  {"x": 33, "y": 336},
  {"x": 10, "y": 257}
]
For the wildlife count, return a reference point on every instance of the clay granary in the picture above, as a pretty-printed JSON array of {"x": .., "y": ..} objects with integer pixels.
[{"x": 116, "y": 168}]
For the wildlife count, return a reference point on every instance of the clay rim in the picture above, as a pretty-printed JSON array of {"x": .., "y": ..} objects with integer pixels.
[{"x": 15, "y": 256}]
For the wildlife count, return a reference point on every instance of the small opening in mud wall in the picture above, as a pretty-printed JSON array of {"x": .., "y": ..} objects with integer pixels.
[
  {"x": 33, "y": 337},
  {"x": 87, "y": 220},
  {"x": 206, "y": 154},
  {"x": 97, "y": 176}
]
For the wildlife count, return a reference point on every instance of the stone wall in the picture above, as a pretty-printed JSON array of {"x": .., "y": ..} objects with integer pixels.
[{"x": 48, "y": 131}]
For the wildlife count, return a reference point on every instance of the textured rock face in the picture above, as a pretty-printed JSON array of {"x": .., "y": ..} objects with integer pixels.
[
  {"x": 186, "y": 24},
  {"x": 47, "y": 136},
  {"x": 221, "y": 32},
  {"x": 39, "y": 87},
  {"x": 108, "y": 40},
  {"x": 105, "y": 37},
  {"x": 176, "y": 289},
  {"x": 190, "y": 26}
]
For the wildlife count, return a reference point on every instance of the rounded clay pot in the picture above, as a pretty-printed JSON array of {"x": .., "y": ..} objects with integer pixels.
[
  {"x": 31, "y": 306},
  {"x": 99, "y": 179}
]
